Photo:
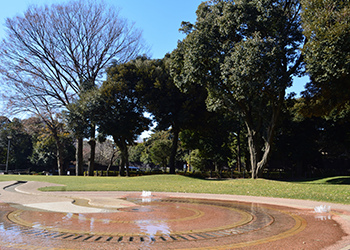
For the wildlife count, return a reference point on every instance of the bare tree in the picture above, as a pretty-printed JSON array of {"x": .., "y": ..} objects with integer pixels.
[
  {"x": 56, "y": 49},
  {"x": 105, "y": 151}
]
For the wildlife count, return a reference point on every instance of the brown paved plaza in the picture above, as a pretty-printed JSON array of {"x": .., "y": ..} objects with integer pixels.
[{"x": 30, "y": 219}]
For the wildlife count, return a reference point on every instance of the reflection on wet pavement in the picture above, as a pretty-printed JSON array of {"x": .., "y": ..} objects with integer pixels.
[{"x": 155, "y": 221}]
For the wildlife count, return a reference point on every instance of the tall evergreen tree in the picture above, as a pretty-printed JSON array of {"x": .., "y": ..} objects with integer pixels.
[
  {"x": 169, "y": 107},
  {"x": 326, "y": 25},
  {"x": 245, "y": 54}
]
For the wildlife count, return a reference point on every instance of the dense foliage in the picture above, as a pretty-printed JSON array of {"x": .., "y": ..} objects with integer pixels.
[
  {"x": 326, "y": 25},
  {"x": 32, "y": 147},
  {"x": 245, "y": 54},
  {"x": 217, "y": 102}
]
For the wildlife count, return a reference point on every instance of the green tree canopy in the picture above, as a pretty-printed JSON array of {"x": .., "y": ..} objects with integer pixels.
[
  {"x": 135, "y": 152},
  {"x": 211, "y": 141},
  {"x": 170, "y": 108},
  {"x": 117, "y": 112},
  {"x": 245, "y": 54},
  {"x": 156, "y": 135},
  {"x": 326, "y": 25},
  {"x": 45, "y": 149},
  {"x": 21, "y": 146},
  {"x": 160, "y": 152}
]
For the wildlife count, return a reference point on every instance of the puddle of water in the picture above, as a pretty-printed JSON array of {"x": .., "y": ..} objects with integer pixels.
[
  {"x": 81, "y": 217},
  {"x": 92, "y": 220},
  {"x": 151, "y": 228},
  {"x": 13, "y": 234},
  {"x": 146, "y": 200},
  {"x": 68, "y": 216},
  {"x": 106, "y": 221}
]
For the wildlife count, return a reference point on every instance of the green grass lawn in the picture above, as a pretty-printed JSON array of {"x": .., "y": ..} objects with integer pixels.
[{"x": 334, "y": 189}]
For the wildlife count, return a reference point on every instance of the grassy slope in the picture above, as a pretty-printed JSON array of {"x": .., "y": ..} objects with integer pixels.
[{"x": 334, "y": 189}]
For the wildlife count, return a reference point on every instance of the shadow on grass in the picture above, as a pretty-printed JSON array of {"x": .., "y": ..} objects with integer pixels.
[
  {"x": 301, "y": 180},
  {"x": 206, "y": 178},
  {"x": 339, "y": 181}
]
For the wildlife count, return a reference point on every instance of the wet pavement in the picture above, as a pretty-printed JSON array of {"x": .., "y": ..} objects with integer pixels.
[{"x": 30, "y": 219}]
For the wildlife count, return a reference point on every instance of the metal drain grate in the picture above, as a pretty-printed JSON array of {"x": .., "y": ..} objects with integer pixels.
[
  {"x": 78, "y": 237},
  {"x": 121, "y": 239}
]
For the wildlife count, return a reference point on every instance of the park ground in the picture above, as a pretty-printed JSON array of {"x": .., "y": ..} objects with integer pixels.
[{"x": 331, "y": 189}]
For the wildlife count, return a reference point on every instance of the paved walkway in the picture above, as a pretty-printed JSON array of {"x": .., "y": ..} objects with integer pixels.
[
  {"x": 109, "y": 198},
  {"x": 28, "y": 196}
]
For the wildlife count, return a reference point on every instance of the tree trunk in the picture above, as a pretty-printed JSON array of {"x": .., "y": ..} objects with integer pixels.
[
  {"x": 91, "y": 164},
  {"x": 79, "y": 158},
  {"x": 126, "y": 156},
  {"x": 92, "y": 143},
  {"x": 59, "y": 162},
  {"x": 259, "y": 162},
  {"x": 122, "y": 165},
  {"x": 276, "y": 110},
  {"x": 247, "y": 163},
  {"x": 59, "y": 155},
  {"x": 111, "y": 160},
  {"x": 176, "y": 132},
  {"x": 123, "y": 147},
  {"x": 262, "y": 163},
  {"x": 218, "y": 170},
  {"x": 252, "y": 150},
  {"x": 239, "y": 149}
]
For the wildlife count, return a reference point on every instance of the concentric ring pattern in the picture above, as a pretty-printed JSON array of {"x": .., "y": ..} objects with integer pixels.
[{"x": 178, "y": 223}]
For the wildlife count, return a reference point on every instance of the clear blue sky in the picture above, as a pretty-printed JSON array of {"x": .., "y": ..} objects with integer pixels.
[{"x": 158, "y": 19}]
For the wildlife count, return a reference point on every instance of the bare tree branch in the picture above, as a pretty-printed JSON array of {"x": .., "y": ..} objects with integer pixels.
[
  {"x": 50, "y": 51},
  {"x": 56, "y": 48}
]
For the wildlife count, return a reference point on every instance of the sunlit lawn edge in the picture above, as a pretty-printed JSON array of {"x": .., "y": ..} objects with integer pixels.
[{"x": 318, "y": 190}]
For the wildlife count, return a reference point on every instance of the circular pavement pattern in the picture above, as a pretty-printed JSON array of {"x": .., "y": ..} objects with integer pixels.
[
  {"x": 165, "y": 222},
  {"x": 161, "y": 223}
]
